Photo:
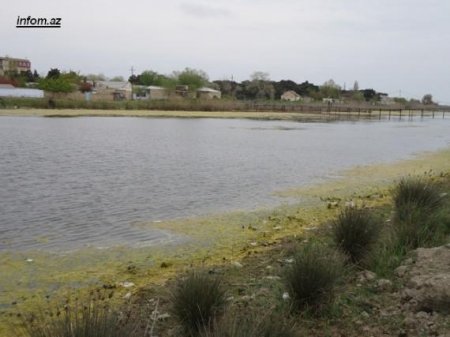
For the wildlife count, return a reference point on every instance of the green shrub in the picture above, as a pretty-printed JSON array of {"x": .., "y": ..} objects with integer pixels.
[
  {"x": 197, "y": 300},
  {"x": 91, "y": 318},
  {"x": 313, "y": 276},
  {"x": 354, "y": 232}
]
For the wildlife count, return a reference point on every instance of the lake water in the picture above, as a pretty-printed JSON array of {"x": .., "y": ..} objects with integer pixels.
[{"x": 66, "y": 183}]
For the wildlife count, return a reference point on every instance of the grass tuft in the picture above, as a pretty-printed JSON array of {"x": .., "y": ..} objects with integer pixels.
[
  {"x": 354, "y": 232},
  {"x": 313, "y": 276},
  {"x": 197, "y": 300},
  {"x": 417, "y": 203},
  {"x": 415, "y": 193}
]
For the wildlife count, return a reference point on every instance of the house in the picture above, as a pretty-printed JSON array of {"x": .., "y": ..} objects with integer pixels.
[
  {"x": 112, "y": 90},
  {"x": 182, "y": 90},
  {"x": 155, "y": 92},
  {"x": 386, "y": 100},
  {"x": 8, "y": 90},
  {"x": 14, "y": 65},
  {"x": 208, "y": 93},
  {"x": 291, "y": 96}
]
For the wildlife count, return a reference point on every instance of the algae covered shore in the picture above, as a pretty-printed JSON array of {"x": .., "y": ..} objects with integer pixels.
[
  {"x": 155, "y": 113},
  {"x": 32, "y": 277},
  {"x": 304, "y": 116}
]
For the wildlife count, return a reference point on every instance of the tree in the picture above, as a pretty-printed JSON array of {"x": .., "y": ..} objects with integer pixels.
[
  {"x": 53, "y": 73},
  {"x": 193, "y": 78},
  {"x": 133, "y": 79},
  {"x": 358, "y": 96},
  {"x": 427, "y": 99},
  {"x": 168, "y": 82},
  {"x": 95, "y": 77},
  {"x": 149, "y": 77},
  {"x": 72, "y": 77},
  {"x": 58, "y": 82},
  {"x": 259, "y": 87},
  {"x": 370, "y": 95},
  {"x": 29, "y": 76},
  {"x": 283, "y": 86},
  {"x": 227, "y": 88},
  {"x": 117, "y": 79},
  {"x": 260, "y": 76},
  {"x": 56, "y": 85},
  {"x": 308, "y": 89},
  {"x": 330, "y": 89},
  {"x": 36, "y": 76}
]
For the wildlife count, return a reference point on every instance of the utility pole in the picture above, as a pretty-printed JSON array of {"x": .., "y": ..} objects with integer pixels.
[{"x": 132, "y": 74}]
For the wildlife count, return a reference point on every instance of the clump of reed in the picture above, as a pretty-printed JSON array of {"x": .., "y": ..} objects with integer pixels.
[
  {"x": 417, "y": 203},
  {"x": 197, "y": 300},
  {"x": 312, "y": 277},
  {"x": 91, "y": 317},
  {"x": 354, "y": 232}
]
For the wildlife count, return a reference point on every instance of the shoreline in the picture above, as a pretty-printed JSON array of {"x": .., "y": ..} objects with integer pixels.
[
  {"x": 155, "y": 114},
  {"x": 255, "y": 115},
  {"x": 29, "y": 277}
]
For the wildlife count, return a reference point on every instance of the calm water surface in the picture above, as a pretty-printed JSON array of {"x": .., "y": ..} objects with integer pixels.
[{"x": 72, "y": 182}]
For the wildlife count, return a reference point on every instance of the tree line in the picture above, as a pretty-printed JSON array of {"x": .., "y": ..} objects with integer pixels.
[{"x": 258, "y": 87}]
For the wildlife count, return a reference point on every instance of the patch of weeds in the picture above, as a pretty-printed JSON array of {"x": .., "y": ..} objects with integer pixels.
[
  {"x": 354, "y": 232},
  {"x": 197, "y": 300},
  {"x": 92, "y": 317}
]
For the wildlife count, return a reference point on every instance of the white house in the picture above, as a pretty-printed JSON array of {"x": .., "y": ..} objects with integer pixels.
[
  {"x": 7, "y": 90},
  {"x": 156, "y": 92},
  {"x": 113, "y": 90},
  {"x": 291, "y": 96},
  {"x": 208, "y": 93}
]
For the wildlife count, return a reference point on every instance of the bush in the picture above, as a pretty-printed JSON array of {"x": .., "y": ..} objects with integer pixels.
[
  {"x": 197, "y": 300},
  {"x": 313, "y": 276},
  {"x": 92, "y": 318},
  {"x": 354, "y": 232},
  {"x": 417, "y": 204}
]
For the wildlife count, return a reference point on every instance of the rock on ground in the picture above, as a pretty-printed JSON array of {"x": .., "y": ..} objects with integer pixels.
[{"x": 428, "y": 287}]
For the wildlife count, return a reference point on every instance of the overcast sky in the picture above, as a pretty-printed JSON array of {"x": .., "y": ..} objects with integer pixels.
[{"x": 394, "y": 46}]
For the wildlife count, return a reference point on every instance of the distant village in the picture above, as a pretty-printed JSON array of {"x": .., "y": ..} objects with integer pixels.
[{"x": 18, "y": 80}]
